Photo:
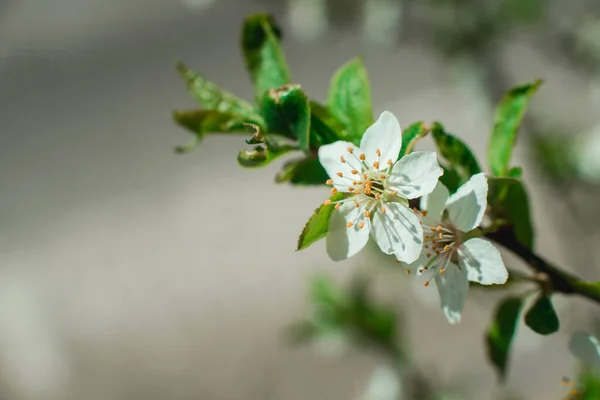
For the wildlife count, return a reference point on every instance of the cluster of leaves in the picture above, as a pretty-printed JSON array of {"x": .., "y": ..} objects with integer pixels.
[
  {"x": 349, "y": 316},
  {"x": 283, "y": 118}
]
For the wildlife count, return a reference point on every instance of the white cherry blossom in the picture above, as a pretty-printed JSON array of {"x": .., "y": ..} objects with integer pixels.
[
  {"x": 449, "y": 256},
  {"x": 377, "y": 187},
  {"x": 586, "y": 348}
]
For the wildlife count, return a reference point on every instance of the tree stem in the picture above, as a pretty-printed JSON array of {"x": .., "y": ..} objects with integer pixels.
[{"x": 561, "y": 280}]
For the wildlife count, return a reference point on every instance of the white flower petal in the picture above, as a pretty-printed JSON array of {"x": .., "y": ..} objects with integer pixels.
[
  {"x": 344, "y": 242},
  {"x": 586, "y": 348},
  {"x": 435, "y": 203},
  {"x": 483, "y": 262},
  {"x": 416, "y": 174},
  {"x": 329, "y": 157},
  {"x": 384, "y": 135},
  {"x": 452, "y": 287},
  {"x": 467, "y": 206},
  {"x": 398, "y": 232}
]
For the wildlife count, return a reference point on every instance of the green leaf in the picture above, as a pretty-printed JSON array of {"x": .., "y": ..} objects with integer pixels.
[
  {"x": 325, "y": 128},
  {"x": 509, "y": 201},
  {"x": 461, "y": 159},
  {"x": 267, "y": 150},
  {"x": 589, "y": 386},
  {"x": 450, "y": 178},
  {"x": 507, "y": 120},
  {"x": 303, "y": 171},
  {"x": 286, "y": 111},
  {"x": 349, "y": 99},
  {"x": 212, "y": 97},
  {"x": 411, "y": 136},
  {"x": 501, "y": 331},
  {"x": 541, "y": 317},
  {"x": 202, "y": 122},
  {"x": 316, "y": 227},
  {"x": 264, "y": 59}
]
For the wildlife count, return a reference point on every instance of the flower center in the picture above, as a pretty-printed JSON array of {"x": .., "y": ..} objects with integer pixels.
[
  {"x": 367, "y": 183},
  {"x": 440, "y": 245}
]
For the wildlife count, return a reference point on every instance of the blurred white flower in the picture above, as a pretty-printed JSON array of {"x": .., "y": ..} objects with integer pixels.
[
  {"x": 587, "y": 156},
  {"x": 384, "y": 384},
  {"x": 586, "y": 348}
]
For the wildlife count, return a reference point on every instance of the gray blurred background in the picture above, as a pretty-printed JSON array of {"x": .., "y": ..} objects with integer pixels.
[{"x": 129, "y": 272}]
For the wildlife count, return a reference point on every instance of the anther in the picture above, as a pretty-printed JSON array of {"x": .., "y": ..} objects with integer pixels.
[
  {"x": 428, "y": 255},
  {"x": 426, "y": 267},
  {"x": 378, "y": 152},
  {"x": 361, "y": 156},
  {"x": 447, "y": 247},
  {"x": 361, "y": 225},
  {"x": 333, "y": 190},
  {"x": 354, "y": 172},
  {"x": 329, "y": 182},
  {"x": 442, "y": 271},
  {"x": 365, "y": 177},
  {"x": 356, "y": 204},
  {"x": 390, "y": 163},
  {"x": 367, "y": 214},
  {"x": 349, "y": 224},
  {"x": 377, "y": 196},
  {"x": 327, "y": 202},
  {"x": 382, "y": 208},
  {"x": 439, "y": 228},
  {"x": 350, "y": 150},
  {"x": 441, "y": 236},
  {"x": 376, "y": 164},
  {"x": 426, "y": 283},
  {"x": 340, "y": 174},
  {"x": 350, "y": 189},
  {"x": 421, "y": 270},
  {"x": 342, "y": 160},
  {"x": 424, "y": 213},
  {"x": 338, "y": 205},
  {"x": 394, "y": 192},
  {"x": 432, "y": 229},
  {"x": 382, "y": 176},
  {"x": 406, "y": 271}
]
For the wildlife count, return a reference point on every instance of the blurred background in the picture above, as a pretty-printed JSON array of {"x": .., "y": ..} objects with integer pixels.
[{"x": 129, "y": 272}]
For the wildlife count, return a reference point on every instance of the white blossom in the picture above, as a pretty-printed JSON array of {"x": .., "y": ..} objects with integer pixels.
[
  {"x": 448, "y": 255},
  {"x": 586, "y": 348},
  {"x": 377, "y": 187}
]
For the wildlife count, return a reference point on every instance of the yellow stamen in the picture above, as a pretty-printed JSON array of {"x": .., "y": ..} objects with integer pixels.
[
  {"x": 378, "y": 152},
  {"x": 327, "y": 202},
  {"x": 349, "y": 224},
  {"x": 354, "y": 172},
  {"x": 367, "y": 214},
  {"x": 350, "y": 150},
  {"x": 340, "y": 174},
  {"x": 338, "y": 205},
  {"x": 361, "y": 157},
  {"x": 376, "y": 164},
  {"x": 329, "y": 182},
  {"x": 342, "y": 159},
  {"x": 361, "y": 225}
]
